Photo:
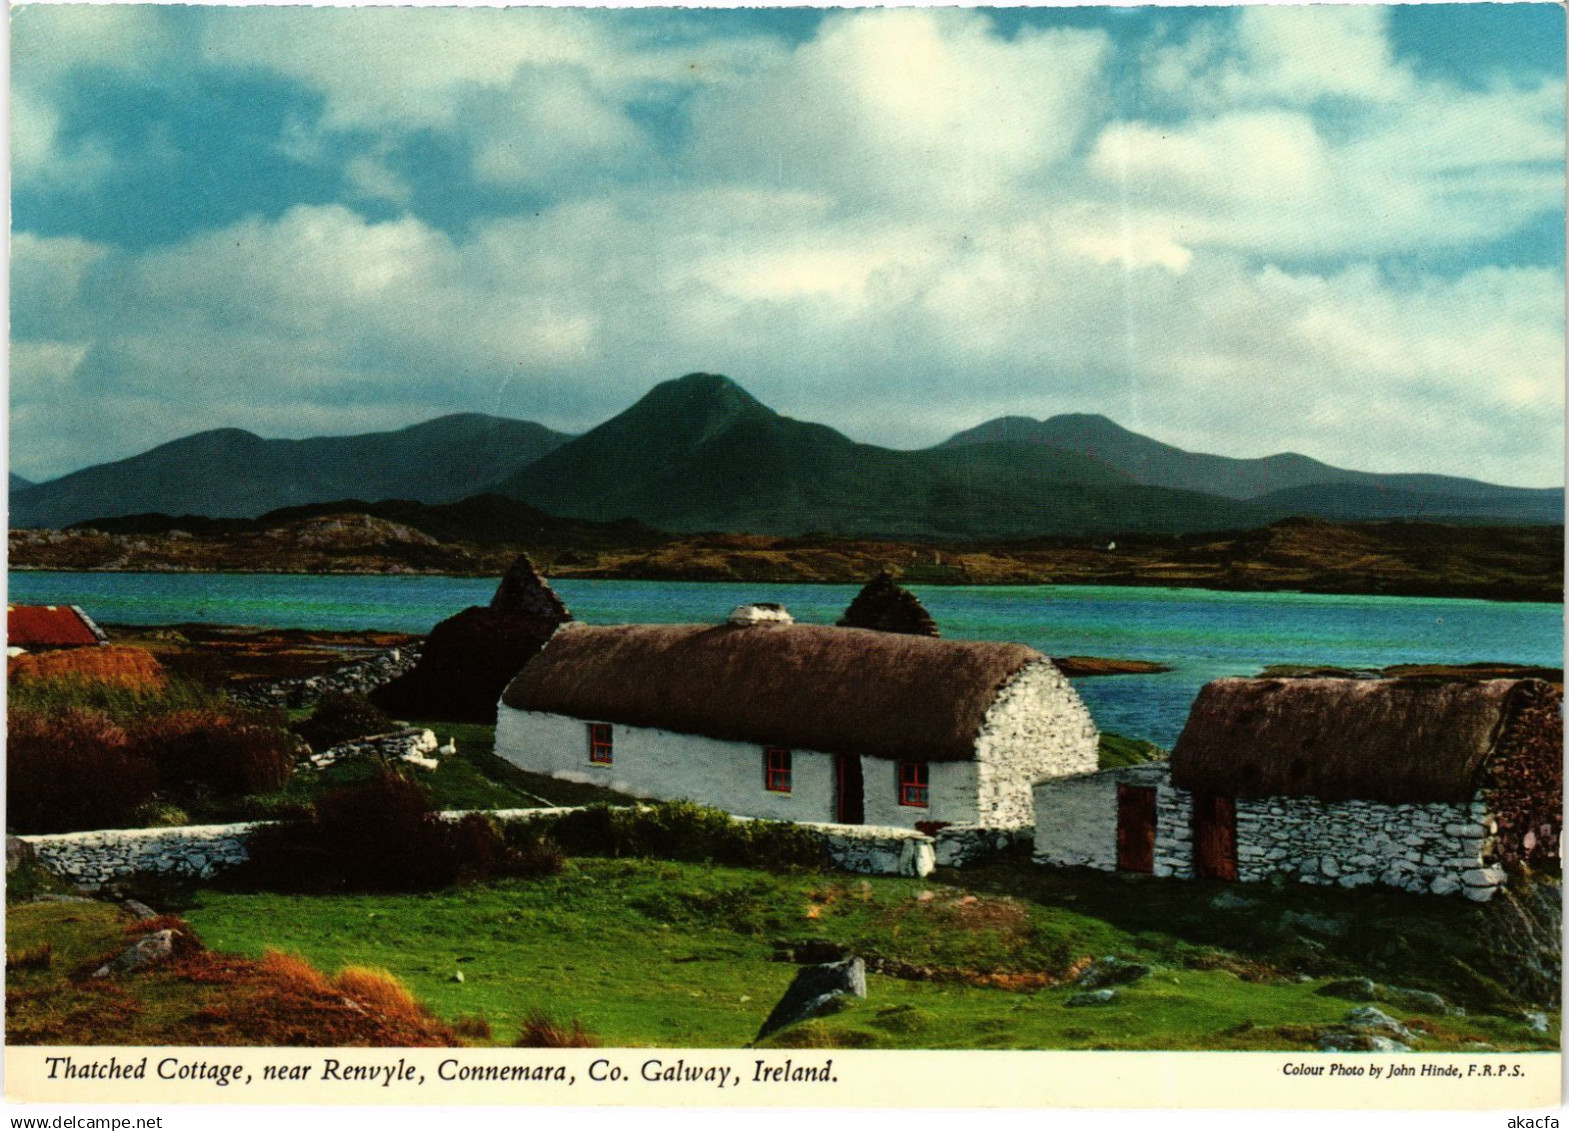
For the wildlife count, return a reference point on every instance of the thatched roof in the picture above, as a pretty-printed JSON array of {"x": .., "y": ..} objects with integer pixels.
[
  {"x": 1385, "y": 740},
  {"x": 837, "y": 690},
  {"x": 885, "y": 605}
]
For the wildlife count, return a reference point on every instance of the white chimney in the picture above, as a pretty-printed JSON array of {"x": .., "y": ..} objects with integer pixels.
[{"x": 763, "y": 612}]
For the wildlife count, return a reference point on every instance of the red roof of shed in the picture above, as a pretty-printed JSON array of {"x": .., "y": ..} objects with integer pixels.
[{"x": 49, "y": 626}]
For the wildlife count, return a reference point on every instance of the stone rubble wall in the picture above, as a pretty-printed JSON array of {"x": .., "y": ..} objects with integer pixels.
[
  {"x": 358, "y": 678},
  {"x": 958, "y": 845},
  {"x": 878, "y": 850},
  {"x": 1437, "y": 847},
  {"x": 411, "y": 744},
  {"x": 93, "y": 859},
  {"x": 1173, "y": 826},
  {"x": 1430, "y": 848}
]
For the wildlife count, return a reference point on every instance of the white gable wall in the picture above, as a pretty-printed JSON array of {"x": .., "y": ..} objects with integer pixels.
[
  {"x": 664, "y": 765},
  {"x": 1037, "y": 728}
]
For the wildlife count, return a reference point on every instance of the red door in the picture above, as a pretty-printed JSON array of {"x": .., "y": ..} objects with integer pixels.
[
  {"x": 1214, "y": 837},
  {"x": 1135, "y": 828}
]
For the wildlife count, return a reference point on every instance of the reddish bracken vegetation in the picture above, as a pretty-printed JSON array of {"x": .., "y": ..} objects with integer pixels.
[
  {"x": 115, "y": 665},
  {"x": 199, "y": 997},
  {"x": 541, "y": 1032}
]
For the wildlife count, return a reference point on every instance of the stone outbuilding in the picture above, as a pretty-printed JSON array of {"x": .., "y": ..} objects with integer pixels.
[
  {"x": 1424, "y": 785},
  {"x": 763, "y": 717}
]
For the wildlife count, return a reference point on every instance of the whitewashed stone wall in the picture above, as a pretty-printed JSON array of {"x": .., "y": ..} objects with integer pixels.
[
  {"x": 873, "y": 851},
  {"x": 1037, "y": 728},
  {"x": 94, "y": 858},
  {"x": 1076, "y": 817},
  {"x": 951, "y": 789},
  {"x": 664, "y": 765},
  {"x": 1435, "y": 848},
  {"x": 865, "y": 849}
]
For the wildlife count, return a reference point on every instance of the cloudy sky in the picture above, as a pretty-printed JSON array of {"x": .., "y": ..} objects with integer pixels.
[{"x": 1333, "y": 230}]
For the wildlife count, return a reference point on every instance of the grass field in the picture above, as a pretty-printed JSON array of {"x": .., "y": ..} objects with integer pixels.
[{"x": 659, "y": 953}]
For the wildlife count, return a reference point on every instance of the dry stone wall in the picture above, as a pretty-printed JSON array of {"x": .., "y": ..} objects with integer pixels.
[
  {"x": 1436, "y": 847},
  {"x": 958, "y": 845},
  {"x": 95, "y": 858},
  {"x": 358, "y": 678}
]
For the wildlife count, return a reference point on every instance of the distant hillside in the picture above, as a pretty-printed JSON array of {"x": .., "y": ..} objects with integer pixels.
[
  {"x": 1285, "y": 484},
  {"x": 700, "y": 453},
  {"x": 1380, "y": 500},
  {"x": 230, "y": 473},
  {"x": 481, "y": 520},
  {"x": 18, "y": 483},
  {"x": 1520, "y": 563}
]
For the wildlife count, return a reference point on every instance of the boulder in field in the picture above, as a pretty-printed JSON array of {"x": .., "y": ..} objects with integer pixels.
[
  {"x": 816, "y": 990},
  {"x": 146, "y": 951}
]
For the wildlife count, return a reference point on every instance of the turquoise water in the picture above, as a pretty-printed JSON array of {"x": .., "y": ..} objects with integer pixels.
[{"x": 1202, "y": 634}]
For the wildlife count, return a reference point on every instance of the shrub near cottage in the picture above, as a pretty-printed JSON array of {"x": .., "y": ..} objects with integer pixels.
[
  {"x": 83, "y": 755},
  {"x": 70, "y": 770},
  {"x": 224, "y": 752},
  {"x": 684, "y": 830},
  {"x": 340, "y": 716},
  {"x": 382, "y": 835}
]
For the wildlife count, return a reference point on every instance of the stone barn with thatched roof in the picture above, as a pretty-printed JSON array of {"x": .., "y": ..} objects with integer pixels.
[
  {"x": 763, "y": 717},
  {"x": 1426, "y": 785}
]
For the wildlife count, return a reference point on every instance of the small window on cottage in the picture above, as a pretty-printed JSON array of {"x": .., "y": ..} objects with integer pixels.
[
  {"x": 776, "y": 769},
  {"x": 912, "y": 784},
  {"x": 599, "y": 743}
]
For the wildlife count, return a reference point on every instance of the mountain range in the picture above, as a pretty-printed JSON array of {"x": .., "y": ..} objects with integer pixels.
[
  {"x": 231, "y": 473},
  {"x": 700, "y": 453}
]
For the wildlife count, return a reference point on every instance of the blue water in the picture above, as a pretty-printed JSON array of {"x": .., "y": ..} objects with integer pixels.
[{"x": 1202, "y": 634}]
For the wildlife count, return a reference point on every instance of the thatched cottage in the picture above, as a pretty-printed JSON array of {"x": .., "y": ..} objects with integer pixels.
[
  {"x": 766, "y": 718},
  {"x": 1423, "y": 785}
]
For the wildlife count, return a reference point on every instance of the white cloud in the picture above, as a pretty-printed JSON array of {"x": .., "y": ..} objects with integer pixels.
[
  {"x": 1284, "y": 55},
  {"x": 920, "y": 107},
  {"x": 901, "y": 226}
]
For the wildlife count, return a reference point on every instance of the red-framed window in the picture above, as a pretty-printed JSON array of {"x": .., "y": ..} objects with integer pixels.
[
  {"x": 599, "y": 749},
  {"x": 913, "y": 784},
  {"x": 776, "y": 769}
]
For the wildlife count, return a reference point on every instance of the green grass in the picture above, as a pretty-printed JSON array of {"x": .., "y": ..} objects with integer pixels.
[
  {"x": 660, "y": 953},
  {"x": 1117, "y": 752}
]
